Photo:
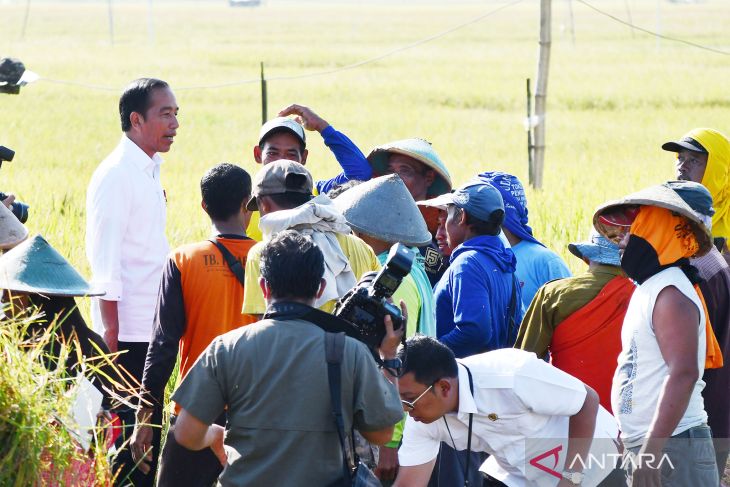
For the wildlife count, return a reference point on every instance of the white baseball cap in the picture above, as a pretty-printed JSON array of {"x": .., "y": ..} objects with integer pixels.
[{"x": 280, "y": 123}]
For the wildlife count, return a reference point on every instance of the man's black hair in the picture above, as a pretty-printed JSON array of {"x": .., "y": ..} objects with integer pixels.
[
  {"x": 480, "y": 227},
  {"x": 137, "y": 98},
  {"x": 225, "y": 188},
  {"x": 290, "y": 199},
  {"x": 284, "y": 130},
  {"x": 428, "y": 359},
  {"x": 293, "y": 266}
]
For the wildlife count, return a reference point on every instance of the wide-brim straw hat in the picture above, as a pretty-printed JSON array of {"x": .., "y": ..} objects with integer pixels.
[
  {"x": 383, "y": 208},
  {"x": 12, "y": 232},
  {"x": 420, "y": 150},
  {"x": 36, "y": 267},
  {"x": 662, "y": 196}
]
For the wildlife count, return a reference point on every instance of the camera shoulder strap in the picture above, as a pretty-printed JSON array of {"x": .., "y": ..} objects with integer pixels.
[
  {"x": 287, "y": 310},
  {"x": 334, "y": 347},
  {"x": 233, "y": 263}
]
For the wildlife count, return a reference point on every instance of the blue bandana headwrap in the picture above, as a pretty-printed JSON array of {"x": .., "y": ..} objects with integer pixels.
[{"x": 515, "y": 203}]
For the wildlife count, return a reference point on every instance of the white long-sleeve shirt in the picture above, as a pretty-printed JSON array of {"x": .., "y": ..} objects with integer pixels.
[{"x": 125, "y": 237}]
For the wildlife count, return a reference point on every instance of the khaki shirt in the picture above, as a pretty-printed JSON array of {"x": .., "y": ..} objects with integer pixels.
[{"x": 272, "y": 377}]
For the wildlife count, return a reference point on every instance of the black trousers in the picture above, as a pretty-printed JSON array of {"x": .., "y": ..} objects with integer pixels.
[
  {"x": 180, "y": 467},
  {"x": 123, "y": 465}
]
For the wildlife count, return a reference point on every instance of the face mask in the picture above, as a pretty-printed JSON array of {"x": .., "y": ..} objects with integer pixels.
[{"x": 659, "y": 239}]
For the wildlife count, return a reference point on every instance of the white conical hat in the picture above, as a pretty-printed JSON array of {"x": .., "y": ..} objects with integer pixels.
[{"x": 12, "y": 232}]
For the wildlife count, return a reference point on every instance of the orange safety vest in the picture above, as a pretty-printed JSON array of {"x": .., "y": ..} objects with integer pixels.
[{"x": 587, "y": 343}]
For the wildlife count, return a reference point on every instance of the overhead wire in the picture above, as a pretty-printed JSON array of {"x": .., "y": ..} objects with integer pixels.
[
  {"x": 655, "y": 34},
  {"x": 316, "y": 73}
]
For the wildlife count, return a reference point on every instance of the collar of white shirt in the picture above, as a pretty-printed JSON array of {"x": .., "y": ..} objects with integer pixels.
[
  {"x": 133, "y": 153},
  {"x": 467, "y": 404}
]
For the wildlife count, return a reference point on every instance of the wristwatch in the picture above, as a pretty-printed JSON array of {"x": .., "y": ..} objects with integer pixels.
[
  {"x": 574, "y": 478},
  {"x": 393, "y": 364}
]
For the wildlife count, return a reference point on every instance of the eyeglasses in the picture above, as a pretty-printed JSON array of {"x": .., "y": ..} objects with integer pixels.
[{"x": 411, "y": 405}]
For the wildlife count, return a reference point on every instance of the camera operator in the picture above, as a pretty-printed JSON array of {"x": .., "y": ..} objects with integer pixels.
[{"x": 272, "y": 378}]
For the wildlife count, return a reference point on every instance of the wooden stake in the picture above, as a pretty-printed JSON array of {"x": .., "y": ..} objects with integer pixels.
[
  {"x": 111, "y": 22},
  {"x": 543, "y": 66},
  {"x": 25, "y": 20},
  {"x": 264, "y": 97}
]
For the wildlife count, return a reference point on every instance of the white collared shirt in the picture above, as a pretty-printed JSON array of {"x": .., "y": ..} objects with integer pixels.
[
  {"x": 521, "y": 406},
  {"x": 125, "y": 237}
]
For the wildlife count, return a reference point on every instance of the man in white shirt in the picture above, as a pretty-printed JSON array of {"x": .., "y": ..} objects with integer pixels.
[
  {"x": 125, "y": 234},
  {"x": 541, "y": 426}
]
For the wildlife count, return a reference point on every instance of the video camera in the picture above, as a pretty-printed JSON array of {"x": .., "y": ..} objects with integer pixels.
[
  {"x": 19, "y": 209},
  {"x": 366, "y": 305},
  {"x": 11, "y": 72}
]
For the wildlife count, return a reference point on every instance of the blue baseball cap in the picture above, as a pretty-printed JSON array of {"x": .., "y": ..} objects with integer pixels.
[
  {"x": 597, "y": 249},
  {"x": 478, "y": 199}
]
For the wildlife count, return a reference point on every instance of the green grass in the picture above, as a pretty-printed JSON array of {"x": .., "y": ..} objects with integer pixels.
[
  {"x": 35, "y": 404},
  {"x": 613, "y": 98}
]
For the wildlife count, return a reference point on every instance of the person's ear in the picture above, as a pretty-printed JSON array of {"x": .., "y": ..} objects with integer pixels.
[
  {"x": 245, "y": 213},
  {"x": 263, "y": 203},
  {"x": 257, "y": 154},
  {"x": 443, "y": 388},
  {"x": 462, "y": 217},
  {"x": 320, "y": 291},
  {"x": 265, "y": 288},
  {"x": 305, "y": 153},
  {"x": 204, "y": 206},
  {"x": 136, "y": 119}
]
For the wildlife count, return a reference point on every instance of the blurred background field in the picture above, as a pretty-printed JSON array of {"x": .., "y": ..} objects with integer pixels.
[{"x": 614, "y": 95}]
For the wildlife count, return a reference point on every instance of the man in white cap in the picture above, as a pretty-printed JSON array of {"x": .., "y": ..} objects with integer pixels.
[
  {"x": 666, "y": 339},
  {"x": 282, "y": 192},
  {"x": 285, "y": 138}
]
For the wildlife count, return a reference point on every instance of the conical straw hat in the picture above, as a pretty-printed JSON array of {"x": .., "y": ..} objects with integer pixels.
[
  {"x": 12, "y": 232},
  {"x": 420, "y": 150},
  {"x": 36, "y": 267},
  {"x": 384, "y": 209}
]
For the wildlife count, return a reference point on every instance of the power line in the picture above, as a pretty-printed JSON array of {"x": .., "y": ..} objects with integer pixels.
[
  {"x": 317, "y": 73},
  {"x": 655, "y": 34},
  {"x": 401, "y": 48},
  {"x": 77, "y": 83}
]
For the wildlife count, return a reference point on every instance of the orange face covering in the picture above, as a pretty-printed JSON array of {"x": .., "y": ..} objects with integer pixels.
[
  {"x": 671, "y": 236},
  {"x": 659, "y": 239}
]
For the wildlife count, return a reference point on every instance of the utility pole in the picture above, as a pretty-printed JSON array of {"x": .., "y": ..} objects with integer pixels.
[{"x": 543, "y": 66}]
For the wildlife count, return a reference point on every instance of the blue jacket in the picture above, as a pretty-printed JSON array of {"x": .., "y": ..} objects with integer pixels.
[
  {"x": 473, "y": 297},
  {"x": 353, "y": 161}
]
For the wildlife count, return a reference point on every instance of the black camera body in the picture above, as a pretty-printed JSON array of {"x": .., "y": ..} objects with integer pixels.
[
  {"x": 366, "y": 305},
  {"x": 19, "y": 209}
]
